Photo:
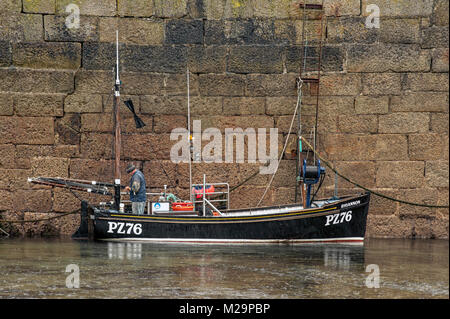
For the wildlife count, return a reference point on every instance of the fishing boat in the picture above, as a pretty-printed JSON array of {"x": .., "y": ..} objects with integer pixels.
[
  {"x": 332, "y": 221},
  {"x": 206, "y": 217}
]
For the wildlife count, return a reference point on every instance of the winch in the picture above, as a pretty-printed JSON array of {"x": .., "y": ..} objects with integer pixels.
[{"x": 312, "y": 175}]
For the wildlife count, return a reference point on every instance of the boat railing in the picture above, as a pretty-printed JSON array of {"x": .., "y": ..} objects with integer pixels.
[
  {"x": 219, "y": 196},
  {"x": 206, "y": 196}
]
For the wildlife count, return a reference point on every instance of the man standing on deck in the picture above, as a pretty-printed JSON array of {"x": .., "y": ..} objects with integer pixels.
[{"x": 137, "y": 189}]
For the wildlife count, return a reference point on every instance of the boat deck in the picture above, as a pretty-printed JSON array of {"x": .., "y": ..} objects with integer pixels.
[{"x": 259, "y": 211}]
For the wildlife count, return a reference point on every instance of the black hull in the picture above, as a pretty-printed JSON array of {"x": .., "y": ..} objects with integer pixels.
[{"x": 342, "y": 221}]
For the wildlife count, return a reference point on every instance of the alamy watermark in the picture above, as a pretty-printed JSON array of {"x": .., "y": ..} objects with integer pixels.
[
  {"x": 73, "y": 280},
  {"x": 373, "y": 19},
  {"x": 73, "y": 19},
  {"x": 219, "y": 151},
  {"x": 373, "y": 279}
]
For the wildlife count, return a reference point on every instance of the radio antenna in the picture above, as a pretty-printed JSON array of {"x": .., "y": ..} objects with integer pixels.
[
  {"x": 189, "y": 133},
  {"x": 117, "y": 62},
  {"x": 117, "y": 133}
]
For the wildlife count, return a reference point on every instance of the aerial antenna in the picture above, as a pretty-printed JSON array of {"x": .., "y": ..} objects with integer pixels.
[
  {"x": 117, "y": 88},
  {"x": 189, "y": 134},
  {"x": 117, "y": 133}
]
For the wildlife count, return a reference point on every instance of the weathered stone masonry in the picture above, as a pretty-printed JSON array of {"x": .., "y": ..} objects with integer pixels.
[{"x": 383, "y": 109}]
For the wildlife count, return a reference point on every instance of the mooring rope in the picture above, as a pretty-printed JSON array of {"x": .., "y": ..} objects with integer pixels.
[
  {"x": 60, "y": 215},
  {"x": 331, "y": 167},
  {"x": 41, "y": 219},
  {"x": 365, "y": 188},
  {"x": 348, "y": 180}
]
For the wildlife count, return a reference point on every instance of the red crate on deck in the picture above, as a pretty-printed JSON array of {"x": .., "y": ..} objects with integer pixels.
[{"x": 182, "y": 206}]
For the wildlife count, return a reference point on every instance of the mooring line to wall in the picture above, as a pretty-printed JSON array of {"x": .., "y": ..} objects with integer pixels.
[
  {"x": 365, "y": 188},
  {"x": 348, "y": 180},
  {"x": 41, "y": 219},
  {"x": 77, "y": 211}
]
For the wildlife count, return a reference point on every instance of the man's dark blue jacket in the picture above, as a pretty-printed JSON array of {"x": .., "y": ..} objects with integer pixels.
[{"x": 140, "y": 195}]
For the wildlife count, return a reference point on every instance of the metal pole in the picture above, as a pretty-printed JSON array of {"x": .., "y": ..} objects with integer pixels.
[
  {"x": 335, "y": 183},
  {"x": 204, "y": 194},
  {"x": 7, "y": 235},
  {"x": 314, "y": 151},
  {"x": 228, "y": 196},
  {"x": 214, "y": 207},
  {"x": 189, "y": 136},
  {"x": 318, "y": 79},
  {"x": 117, "y": 57},
  {"x": 298, "y": 181},
  {"x": 117, "y": 133}
]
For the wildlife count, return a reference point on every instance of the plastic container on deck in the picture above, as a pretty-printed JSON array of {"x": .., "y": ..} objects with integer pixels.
[{"x": 181, "y": 206}]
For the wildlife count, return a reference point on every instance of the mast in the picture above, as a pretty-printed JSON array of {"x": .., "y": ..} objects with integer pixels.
[
  {"x": 117, "y": 133},
  {"x": 311, "y": 60},
  {"x": 189, "y": 136}
]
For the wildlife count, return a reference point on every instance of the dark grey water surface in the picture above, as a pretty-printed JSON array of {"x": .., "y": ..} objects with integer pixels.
[{"x": 36, "y": 268}]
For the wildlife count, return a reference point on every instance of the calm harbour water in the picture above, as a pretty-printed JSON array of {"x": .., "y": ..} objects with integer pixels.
[{"x": 36, "y": 268}]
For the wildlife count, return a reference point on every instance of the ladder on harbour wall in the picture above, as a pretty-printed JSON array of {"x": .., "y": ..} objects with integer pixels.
[{"x": 312, "y": 15}]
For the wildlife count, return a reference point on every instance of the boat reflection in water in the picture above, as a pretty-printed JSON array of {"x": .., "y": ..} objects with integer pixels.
[
  {"x": 408, "y": 269},
  {"x": 340, "y": 258},
  {"x": 334, "y": 257},
  {"x": 238, "y": 271},
  {"x": 130, "y": 251}
]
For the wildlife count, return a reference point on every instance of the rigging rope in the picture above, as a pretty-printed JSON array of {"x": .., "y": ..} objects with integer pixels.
[
  {"x": 348, "y": 180},
  {"x": 299, "y": 99},
  {"x": 365, "y": 188},
  {"x": 329, "y": 165}
]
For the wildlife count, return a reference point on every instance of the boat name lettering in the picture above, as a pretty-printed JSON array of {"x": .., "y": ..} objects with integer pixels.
[
  {"x": 124, "y": 228},
  {"x": 339, "y": 218},
  {"x": 351, "y": 204}
]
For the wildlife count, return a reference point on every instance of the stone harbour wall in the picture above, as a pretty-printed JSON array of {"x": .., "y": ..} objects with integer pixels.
[{"x": 383, "y": 112}]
